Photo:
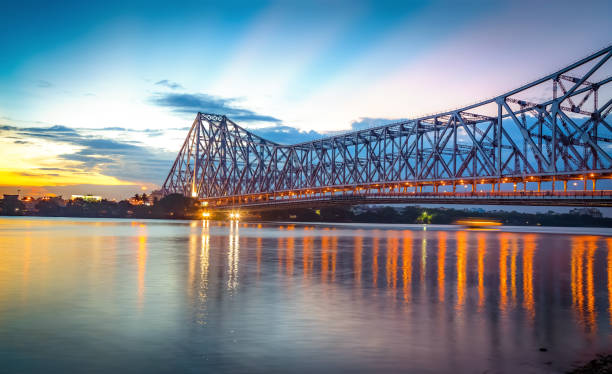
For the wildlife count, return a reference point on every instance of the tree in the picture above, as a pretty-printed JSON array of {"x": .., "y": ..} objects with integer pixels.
[
  {"x": 48, "y": 207},
  {"x": 11, "y": 207},
  {"x": 177, "y": 205}
]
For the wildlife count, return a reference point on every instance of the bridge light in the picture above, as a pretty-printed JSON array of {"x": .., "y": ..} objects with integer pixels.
[
  {"x": 205, "y": 214},
  {"x": 592, "y": 174},
  {"x": 194, "y": 194},
  {"x": 575, "y": 183}
]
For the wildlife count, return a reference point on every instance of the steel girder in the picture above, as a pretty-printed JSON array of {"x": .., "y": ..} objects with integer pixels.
[{"x": 555, "y": 126}]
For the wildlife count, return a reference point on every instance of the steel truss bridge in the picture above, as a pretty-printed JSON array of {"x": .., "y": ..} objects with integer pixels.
[{"x": 523, "y": 147}]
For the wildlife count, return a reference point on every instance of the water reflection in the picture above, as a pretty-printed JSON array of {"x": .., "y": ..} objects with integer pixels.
[
  {"x": 461, "y": 267},
  {"x": 307, "y": 260},
  {"x": 391, "y": 265},
  {"x": 333, "y": 292},
  {"x": 529, "y": 248},
  {"x": 375, "y": 258},
  {"x": 233, "y": 255},
  {"x": 513, "y": 255},
  {"x": 441, "y": 263},
  {"x": 503, "y": 271},
  {"x": 358, "y": 257},
  {"x": 482, "y": 250},
  {"x": 407, "y": 264},
  {"x": 324, "y": 255},
  {"x": 609, "y": 241},
  {"x": 204, "y": 268},
  {"x": 142, "y": 262}
]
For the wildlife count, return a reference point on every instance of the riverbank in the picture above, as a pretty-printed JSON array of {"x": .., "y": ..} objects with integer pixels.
[{"x": 181, "y": 207}]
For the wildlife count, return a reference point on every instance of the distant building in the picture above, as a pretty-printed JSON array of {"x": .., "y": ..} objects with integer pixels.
[
  {"x": 593, "y": 212},
  {"x": 156, "y": 194},
  {"x": 30, "y": 203},
  {"x": 86, "y": 197},
  {"x": 135, "y": 201}
]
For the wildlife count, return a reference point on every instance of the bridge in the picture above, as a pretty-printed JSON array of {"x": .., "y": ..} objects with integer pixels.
[{"x": 547, "y": 142}]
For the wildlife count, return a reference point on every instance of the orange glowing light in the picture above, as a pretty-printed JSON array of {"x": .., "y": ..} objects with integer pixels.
[
  {"x": 481, "y": 254},
  {"x": 528, "y": 254},
  {"x": 461, "y": 267},
  {"x": 357, "y": 258},
  {"x": 441, "y": 263},
  {"x": 407, "y": 264},
  {"x": 503, "y": 272},
  {"x": 477, "y": 222},
  {"x": 375, "y": 260},
  {"x": 391, "y": 266}
]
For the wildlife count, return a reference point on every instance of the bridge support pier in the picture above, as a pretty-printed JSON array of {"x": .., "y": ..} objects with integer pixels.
[
  {"x": 539, "y": 186},
  {"x": 565, "y": 186}
]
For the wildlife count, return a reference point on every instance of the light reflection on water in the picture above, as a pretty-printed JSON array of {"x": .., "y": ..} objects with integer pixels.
[{"x": 159, "y": 296}]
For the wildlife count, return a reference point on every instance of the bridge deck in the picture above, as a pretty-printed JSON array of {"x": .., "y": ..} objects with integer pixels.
[{"x": 602, "y": 198}]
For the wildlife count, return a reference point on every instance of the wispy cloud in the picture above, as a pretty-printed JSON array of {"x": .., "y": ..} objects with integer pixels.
[
  {"x": 169, "y": 84},
  {"x": 366, "y": 122},
  {"x": 125, "y": 160},
  {"x": 192, "y": 103},
  {"x": 286, "y": 134},
  {"x": 43, "y": 83}
]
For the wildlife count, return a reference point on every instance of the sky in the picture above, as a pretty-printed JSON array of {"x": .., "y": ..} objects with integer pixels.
[{"x": 97, "y": 97}]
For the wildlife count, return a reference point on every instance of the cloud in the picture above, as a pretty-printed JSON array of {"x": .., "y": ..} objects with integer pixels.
[
  {"x": 169, "y": 84},
  {"x": 286, "y": 134},
  {"x": 43, "y": 84},
  {"x": 193, "y": 103},
  {"x": 151, "y": 132},
  {"x": 125, "y": 160},
  {"x": 366, "y": 122}
]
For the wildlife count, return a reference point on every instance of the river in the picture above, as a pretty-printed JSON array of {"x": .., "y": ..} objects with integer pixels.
[{"x": 103, "y": 295}]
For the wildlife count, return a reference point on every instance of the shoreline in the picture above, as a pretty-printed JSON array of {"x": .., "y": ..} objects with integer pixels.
[{"x": 562, "y": 230}]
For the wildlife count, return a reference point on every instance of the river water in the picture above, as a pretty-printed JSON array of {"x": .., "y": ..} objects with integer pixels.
[{"x": 99, "y": 295}]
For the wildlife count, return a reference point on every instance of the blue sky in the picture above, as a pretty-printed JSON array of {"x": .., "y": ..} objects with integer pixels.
[{"x": 122, "y": 80}]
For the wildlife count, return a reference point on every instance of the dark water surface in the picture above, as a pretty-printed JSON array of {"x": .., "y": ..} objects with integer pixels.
[{"x": 86, "y": 295}]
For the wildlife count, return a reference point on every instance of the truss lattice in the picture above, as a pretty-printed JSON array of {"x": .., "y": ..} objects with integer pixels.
[{"x": 555, "y": 127}]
